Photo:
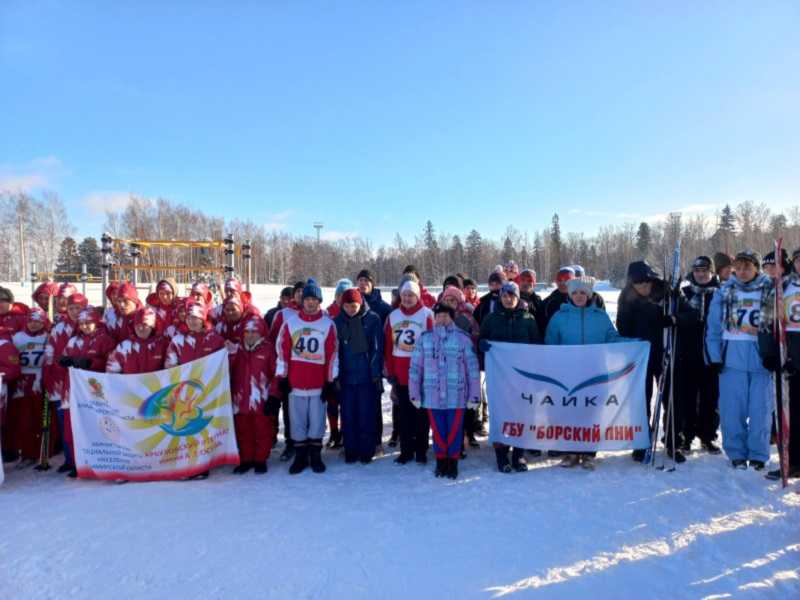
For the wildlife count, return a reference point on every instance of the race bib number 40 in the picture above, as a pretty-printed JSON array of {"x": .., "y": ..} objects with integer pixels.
[{"x": 308, "y": 345}]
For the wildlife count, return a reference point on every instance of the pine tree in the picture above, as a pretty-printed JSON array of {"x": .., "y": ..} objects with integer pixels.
[
  {"x": 69, "y": 259},
  {"x": 727, "y": 220},
  {"x": 555, "y": 245},
  {"x": 431, "y": 253},
  {"x": 474, "y": 253},
  {"x": 89, "y": 253},
  {"x": 643, "y": 240},
  {"x": 457, "y": 254},
  {"x": 508, "y": 250}
]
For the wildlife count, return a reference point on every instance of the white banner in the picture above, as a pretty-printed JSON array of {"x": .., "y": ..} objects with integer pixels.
[
  {"x": 568, "y": 398},
  {"x": 164, "y": 425}
]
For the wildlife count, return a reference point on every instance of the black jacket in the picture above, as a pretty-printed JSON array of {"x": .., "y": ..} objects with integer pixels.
[{"x": 692, "y": 320}]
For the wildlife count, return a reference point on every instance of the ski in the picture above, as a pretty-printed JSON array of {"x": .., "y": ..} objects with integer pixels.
[
  {"x": 781, "y": 379},
  {"x": 44, "y": 448}
]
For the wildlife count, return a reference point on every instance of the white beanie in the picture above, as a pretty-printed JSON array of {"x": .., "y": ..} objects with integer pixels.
[
  {"x": 410, "y": 286},
  {"x": 584, "y": 283}
]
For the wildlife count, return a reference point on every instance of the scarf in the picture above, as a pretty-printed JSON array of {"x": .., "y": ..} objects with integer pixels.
[
  {"x": 700, "y": 292},
  {"x": 767, "y": 322},
  {"x": 733, "y": 287}
]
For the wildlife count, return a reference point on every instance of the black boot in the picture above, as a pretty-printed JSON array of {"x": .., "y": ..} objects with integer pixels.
[
  {"x": 501, "y": 454},
  {"x": 315, "y": 456},
  {"x": 300, "y": 459},
  {"x": 518, "y": 462},
  {"x": 65, "y": 468},
  {"x": 440, "y": 467},
  {"x": 259, "y": 468},
  {"x": 242, "y": 468},
  {"x": 335, "y": 440},
  {"x": 638, "y": 455},
  {"x": 288, "y": 451},
  {"x": 452, "y": 470},
  {"x": 711, "y": 448}
]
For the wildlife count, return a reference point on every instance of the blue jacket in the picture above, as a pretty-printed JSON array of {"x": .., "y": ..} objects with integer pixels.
[
  {"x": 363, "y": 367},
  {"x": 377, "y": 305},
  {"x": 734, "y": 354},
  {"x": 573, "y": 326}
]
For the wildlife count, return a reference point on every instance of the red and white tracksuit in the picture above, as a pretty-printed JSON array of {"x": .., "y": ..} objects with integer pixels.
[
  {"x": 251, "y": 372},
  {"x": 136, "y": 355},
  {"x": 189, "y": 346}
]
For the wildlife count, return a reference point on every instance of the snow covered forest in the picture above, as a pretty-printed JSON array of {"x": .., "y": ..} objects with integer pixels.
[{"x": 40, "y": 229}]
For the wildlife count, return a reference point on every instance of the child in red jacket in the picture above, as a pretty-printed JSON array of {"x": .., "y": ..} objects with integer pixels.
[
  {"x": 143, "y": 352},
  {"x": 254, "y": 414}
]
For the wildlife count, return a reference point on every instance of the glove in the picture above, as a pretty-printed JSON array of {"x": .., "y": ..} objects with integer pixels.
[
  {"x": 417, "y": 404},
  {"x": 284, "y": 387},
  {"x": 272, "y": 406},
  {"x": 771, "y": 363},
  {"x": 716, "y": 368},
  {"x": 65, "y": 361},
  {"x": 668, "y": 321},
  {"x": 484, "y": 346}
]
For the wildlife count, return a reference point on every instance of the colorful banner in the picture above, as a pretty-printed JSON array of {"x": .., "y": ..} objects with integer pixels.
[
  {"x": 164, "y": 425},
  {"x": 568, "y": 398}
]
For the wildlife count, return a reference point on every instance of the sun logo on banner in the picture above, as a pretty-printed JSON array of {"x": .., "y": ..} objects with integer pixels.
[{"x": 180, "y": 409}]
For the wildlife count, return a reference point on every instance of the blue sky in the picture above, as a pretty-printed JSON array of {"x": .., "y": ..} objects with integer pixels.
[{"x": 376, "y": 116}]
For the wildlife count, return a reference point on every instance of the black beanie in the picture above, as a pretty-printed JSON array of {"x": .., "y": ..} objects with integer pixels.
[
  {"x": 441, "y": 307},
  {"x": 366, "y": 274}
]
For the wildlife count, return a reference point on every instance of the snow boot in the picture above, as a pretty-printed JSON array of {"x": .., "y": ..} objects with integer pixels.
[
  {"x": 501, "y": 454},
  {"x": 569, "y": 461},
  {"x": 335, "y": 440},
  {"x": 740, "y": 464},
  {"x": 288, "y": 451},
  {"x": 242, "y": 468},
  {"x": 441, "y": 466},
  {"x": 259, "y": 468},
  {"x": 73, "y": 473},
  {"x": 403, "y": 459},
  {"x": 65, "y": 468},
  {"x": 711, "y": 448},
  {"x": 452, "y": 469},
  {"x": 676, "y": 455},
  {"x": 315, "y": 457},
  {"x": 758, "y": 465},
  {"x": 422, "y": 459},
  {"x": 518, "y": 462},
  {"x": 473, "y": 443},
  {"x": 638, "y": 455},
  {"x": 588, "y": 463},
  {"x": 300, "y": 460}
]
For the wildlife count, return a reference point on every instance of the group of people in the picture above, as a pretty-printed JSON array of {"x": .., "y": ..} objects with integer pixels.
[{"x": 320, "y": 366}]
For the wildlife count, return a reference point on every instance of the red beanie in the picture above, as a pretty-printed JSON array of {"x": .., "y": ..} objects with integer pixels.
[
  {"x": 352, "y": 295},
  {"x": 78, "y": 299}
]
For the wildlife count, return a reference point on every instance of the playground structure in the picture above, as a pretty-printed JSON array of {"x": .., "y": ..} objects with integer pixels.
[{"x": 137, "y": 262}]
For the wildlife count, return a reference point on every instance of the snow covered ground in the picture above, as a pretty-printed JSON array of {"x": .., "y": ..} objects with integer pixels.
[{"x": 386, "y": 531}]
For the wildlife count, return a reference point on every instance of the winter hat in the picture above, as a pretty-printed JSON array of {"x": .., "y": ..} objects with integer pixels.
[
  {"x": 168, "y": 284},
  {"x": 495, "y": 277},
  {"x": 89, "y": 315},
  {"x": 198, "y": 287},
  {"x": 410, "y": 286},
  {"x": 287, "y": 292},
  {"x": 452, "y": 291},
  {"x": 145, "y": 316},
  {"x": 196, "y": 309},
  {"x": 352, "y": 295},
  {"x": 232, "y": 284},
  {"x": 640, "y": 272},
  {"x": 509, "y": 287},
  {"x": 111, "y": 290},
  {"x": 703, "y": 262},
  {"x": 579, "y": 270},
  {"x": 469, "y": 282},
  {"x": 565, "y": 274},
  {"x": 441, "y": 307},
  {"x": 298, "y": 285},
  {"x": 66, "y": 290},
  {"x": 510, "y": 265},
  {"x": 528, "y": 274},
  {"x": 750, "y": 256},
  {"x": 312, "y": 290},
  {"x": 37, "y": 314},
  {"x": 78, "y": 299},
  {"x": 48, "y": 287},
  {"x": 6, "y": 295},
  {"x": 257, "y": 325},
  {"x": 341, "y": 286},
  {"x": 584, "y": 284},
  {"x": 769, "y": 259},
  {"x": 366, "y": 274},
  {"x": 722, "y": 260},
  {"x": 412, "y": 270},
  {"x": 128, "y": 291},
  {"x": 236, "y": 301}
]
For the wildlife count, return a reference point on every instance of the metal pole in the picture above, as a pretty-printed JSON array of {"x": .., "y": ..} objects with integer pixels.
[
  {"x": 135, "y": 253},
  {"x": 84, "y": 279},
  {"x": 105, "y": 248},
  {"x": 21, "y": 252},
  {"x": 247, "y": 257},
  {"x": 229, "y": 256},
  {"x": 34, "y": 276}
]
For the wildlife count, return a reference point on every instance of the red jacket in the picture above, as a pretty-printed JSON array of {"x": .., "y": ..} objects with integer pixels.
[
  {"x": 165, "y": 315},
  {"x": 9, "y": 367},
  {"x": 252, "y": 371},
  {"x": 189, "y": 346},
  {"x": 308, "y": 351},
  {"x": 333, "y": 310},
  {"x": 119, "y": 327},
  {"x": 402, "y": 330},
  {"x": 136, "y": 355},
  {"x": 427, "y": 298},
  {"x": 14, "y": 320},
  {"x": 96, "y": 347},
  {"x": 31, "y": 349},
  {"x": 55, "y": 377},
  {"x": 277, "y": 322}
]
